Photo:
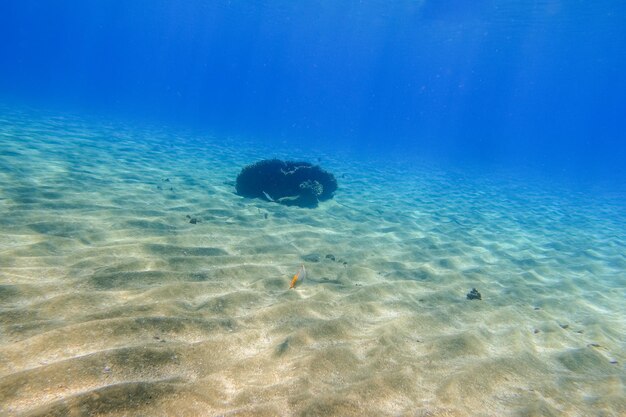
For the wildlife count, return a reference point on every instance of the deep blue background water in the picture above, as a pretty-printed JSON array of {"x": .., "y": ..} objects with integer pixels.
[{"x": 537, "y": 84}]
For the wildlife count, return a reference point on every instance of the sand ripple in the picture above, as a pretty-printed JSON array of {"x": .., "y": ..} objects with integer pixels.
[{"x": 112, "y": 302}]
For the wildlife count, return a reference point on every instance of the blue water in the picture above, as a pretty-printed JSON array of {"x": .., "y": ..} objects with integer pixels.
[
  {"x": 476, "y": 144},
  {"x": 535, "y": 85}
]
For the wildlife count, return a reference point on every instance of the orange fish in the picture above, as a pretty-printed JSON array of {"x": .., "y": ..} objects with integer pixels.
[{"x": 300, "y": 275}]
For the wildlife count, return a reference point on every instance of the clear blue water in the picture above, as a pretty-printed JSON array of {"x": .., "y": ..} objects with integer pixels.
[
  {"x": 534, "y": 84},
  {"x": 477, "y": 144}
]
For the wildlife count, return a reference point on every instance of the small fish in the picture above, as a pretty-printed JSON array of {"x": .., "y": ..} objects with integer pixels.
[
  {"x": 269, "y": 198},
  {"x": 300, "y": 275}
]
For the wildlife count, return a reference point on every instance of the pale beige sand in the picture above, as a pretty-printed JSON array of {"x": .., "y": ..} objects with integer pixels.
[{"x": 112, "y": 303}]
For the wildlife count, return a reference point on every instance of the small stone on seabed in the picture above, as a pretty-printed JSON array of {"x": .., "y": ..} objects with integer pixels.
[
  {"x": 106, "y": 369},
  {"x": 312, "y": 257},
  {"x": 474, "y": 295}
]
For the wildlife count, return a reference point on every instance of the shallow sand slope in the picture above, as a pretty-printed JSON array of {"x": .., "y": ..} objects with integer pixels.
[{"x": 113, "y": 303}]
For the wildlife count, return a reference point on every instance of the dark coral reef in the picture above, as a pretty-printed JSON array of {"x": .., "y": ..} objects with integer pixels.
[{"x": 286, "y": 182}]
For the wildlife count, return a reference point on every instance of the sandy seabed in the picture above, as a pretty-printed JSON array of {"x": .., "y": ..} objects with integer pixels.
[{"x": 113, "y": 302}]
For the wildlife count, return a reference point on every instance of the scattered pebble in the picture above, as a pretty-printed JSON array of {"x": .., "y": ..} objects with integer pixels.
[
  {"x": 330, "y": 256},
  {"x": 312, "y": 257},
  {"x": 474, "y": 295},
  {"x": 564, "y": 326},
  {"x": 613, "y": 361},
  {"x": 282, "y": 348},
  {"x": 536, "y": 331},
  {"x": 106, "y": 369},
  {"x": 192, "y": 220}
]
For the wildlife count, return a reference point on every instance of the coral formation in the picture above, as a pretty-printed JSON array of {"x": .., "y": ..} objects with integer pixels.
[{"x": 286, "y": 182}]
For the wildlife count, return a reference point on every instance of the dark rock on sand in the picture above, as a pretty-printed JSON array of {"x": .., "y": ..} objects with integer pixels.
[
  {"x": 289, "y": 183},
  {"x": 282, "y": 348},
  {"x": 312, "y": 257},
  {"x": 474, "y": 295}
]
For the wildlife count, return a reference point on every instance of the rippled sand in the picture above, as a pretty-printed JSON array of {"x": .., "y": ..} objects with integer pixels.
[{"x": 113, "y": 303}]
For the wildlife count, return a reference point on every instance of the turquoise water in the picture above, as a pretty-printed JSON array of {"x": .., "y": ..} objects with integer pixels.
[
  {"x": 479, "y": 148},
  {"x": 112, "y": 302}
]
